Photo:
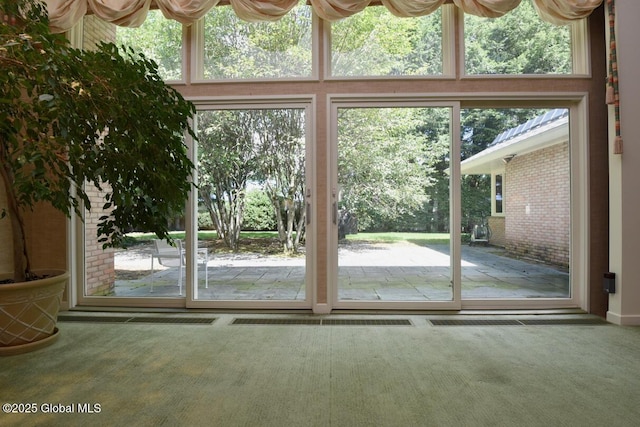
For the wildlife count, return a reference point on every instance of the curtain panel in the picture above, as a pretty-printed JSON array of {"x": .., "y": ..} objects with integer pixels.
[{"x": 64, "y": 14}]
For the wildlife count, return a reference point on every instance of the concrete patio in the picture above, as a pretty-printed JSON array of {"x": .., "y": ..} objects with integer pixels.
[{"x": 367, "y": 272}]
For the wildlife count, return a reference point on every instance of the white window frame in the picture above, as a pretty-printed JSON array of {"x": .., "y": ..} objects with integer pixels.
[{"x": 494, "y": 210}]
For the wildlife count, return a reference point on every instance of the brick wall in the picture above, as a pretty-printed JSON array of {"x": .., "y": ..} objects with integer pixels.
[
  {"x": 99, "y": 264},
  {"x": 496, "y": 224},
  {"x": 96, "y": 30},
  {"x": 537, "y": 221}
]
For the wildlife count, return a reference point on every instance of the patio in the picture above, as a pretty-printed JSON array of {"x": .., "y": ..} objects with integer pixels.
[{"x": 367, "y": 272}]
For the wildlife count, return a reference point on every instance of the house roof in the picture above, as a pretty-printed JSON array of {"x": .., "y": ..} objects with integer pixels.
[{"x": 540, "y": 132}]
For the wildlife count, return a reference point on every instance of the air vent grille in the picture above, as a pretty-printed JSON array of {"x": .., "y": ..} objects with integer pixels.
[
  {"x": 138, "y": 319},
  {"x": 322, "y": 322},
  {"x": 517, "y": 322}
]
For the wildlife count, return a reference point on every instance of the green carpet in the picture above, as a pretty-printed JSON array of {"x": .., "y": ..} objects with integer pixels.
[{"x": 224, "y": 374}]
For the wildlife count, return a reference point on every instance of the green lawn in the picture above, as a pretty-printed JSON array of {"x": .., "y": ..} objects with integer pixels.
[
  {"x": 204, "y": 235},
  {"x": 390, "y": 237},
  {"x": 383, "y": 237}
]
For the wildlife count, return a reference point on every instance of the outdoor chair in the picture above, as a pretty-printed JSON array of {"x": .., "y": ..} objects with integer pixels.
[{"x": 175, "y": 256}]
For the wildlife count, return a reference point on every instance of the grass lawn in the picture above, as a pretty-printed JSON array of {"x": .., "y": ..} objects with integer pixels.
[
  {"x": 268, "y": 240},
  {"x": 421, "y": 239}
]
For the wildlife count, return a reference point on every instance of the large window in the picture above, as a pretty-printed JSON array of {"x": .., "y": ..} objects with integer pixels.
[
  {"x": 160, "y": 39},
  {"x": 376, "y": 43},
  {"x": 370, "y": 160},
  {"x": 517, "y": 43},
  {"x": 229, "y": 48}
]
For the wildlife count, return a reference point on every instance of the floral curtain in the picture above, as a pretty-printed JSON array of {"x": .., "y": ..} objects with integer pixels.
[{"x": 64, "y": 14}]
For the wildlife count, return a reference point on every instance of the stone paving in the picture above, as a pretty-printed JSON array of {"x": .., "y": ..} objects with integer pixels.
[{"x": 367, "y": 272}]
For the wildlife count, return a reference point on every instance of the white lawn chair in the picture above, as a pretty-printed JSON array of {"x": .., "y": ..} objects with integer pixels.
[{"x": 175, "y": 256}]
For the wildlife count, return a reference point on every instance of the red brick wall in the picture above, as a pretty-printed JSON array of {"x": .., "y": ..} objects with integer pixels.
[
  {"x": 537, "y": 222},
  {"x": 99, "y": 263}
]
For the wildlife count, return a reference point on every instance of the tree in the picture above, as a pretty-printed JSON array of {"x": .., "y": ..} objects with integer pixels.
[
  {"x": 281, "y": 136},
  {"x": 265, "y": 147},
  {"x": 226, "y": 161},
  {"x": 376, "y": 43},
  {"x": 237, "y": 49},
  {"x": 382, "y": 170},
  {"x": 71, "y": 118},
  {"x": 516, "y": 43},
  {"x": 161, "y": 41}
]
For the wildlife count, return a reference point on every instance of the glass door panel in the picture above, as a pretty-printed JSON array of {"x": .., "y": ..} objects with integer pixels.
[
  {"x": 145, "y": 268},
  {"x": 392, "y": 204},
  {"x": 252, "y": 205},
  {"x": 516, "y": 203}
]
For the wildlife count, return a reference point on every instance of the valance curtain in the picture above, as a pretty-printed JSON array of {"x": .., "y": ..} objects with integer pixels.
[{"x": 64, "y": 14}]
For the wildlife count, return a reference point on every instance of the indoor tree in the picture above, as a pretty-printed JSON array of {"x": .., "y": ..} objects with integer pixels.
[{"x": 71, "y": 118}]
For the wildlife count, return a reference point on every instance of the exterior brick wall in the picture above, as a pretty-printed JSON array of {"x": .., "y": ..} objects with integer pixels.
[
  {"x": 496, "y": 224},
  {"x": 537, "y": 221},
  {"x": 99, "y": 264},
  {"x": 96, "y": 30},
  {"x": 100, "y": 274}
]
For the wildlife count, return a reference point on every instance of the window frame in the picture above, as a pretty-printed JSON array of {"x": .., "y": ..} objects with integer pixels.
[{"x": 494, "y": 194}]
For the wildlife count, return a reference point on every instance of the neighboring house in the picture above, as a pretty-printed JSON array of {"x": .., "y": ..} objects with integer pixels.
[{"x": 530, "y": 179}]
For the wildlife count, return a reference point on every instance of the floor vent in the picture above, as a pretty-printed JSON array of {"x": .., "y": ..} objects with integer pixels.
[
  {"x": 368, "y": 322},
  {"x": 516, "y": 322},
  {"x": 324, "y": 322},
  {"x": 576, "y": 321},
  {"x": 268, "y": 321},
  {"x": 138, "y": 319},
  {"x": 474, "y": 322}
]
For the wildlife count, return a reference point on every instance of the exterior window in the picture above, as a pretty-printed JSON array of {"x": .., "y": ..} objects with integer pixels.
[
  {"x": 230, "y": 48},
  {"x": 517, "y": 43},
  {"x": 498, "y": 198},
  {"x": 376, "y": 43},
  {"x": 160, "y": 39}
]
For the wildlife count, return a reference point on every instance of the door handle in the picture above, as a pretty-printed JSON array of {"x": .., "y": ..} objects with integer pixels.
[{"x": 335, "y": 213}]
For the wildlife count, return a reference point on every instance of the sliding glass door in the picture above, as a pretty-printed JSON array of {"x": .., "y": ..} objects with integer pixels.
[
  {"x": 253, "y": 208},
  {"x": 392, "y": 208}
]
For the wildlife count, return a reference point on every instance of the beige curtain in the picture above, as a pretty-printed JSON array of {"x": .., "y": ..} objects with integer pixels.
[
  {"x": 332, "y": 10},
  {"x": 185, "y": 11},
  {"x": 65, "y": 14},
  {"x": 408, "y": 8},
  {"x": 561, "y": 12},
  {"x": 128, "y": 13},
  {"x": 486, "y": 8},
  {"x": 265, "y": 10}
]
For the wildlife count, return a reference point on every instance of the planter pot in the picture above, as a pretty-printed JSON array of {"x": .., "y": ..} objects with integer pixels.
[{"x": 29, "y": 312}]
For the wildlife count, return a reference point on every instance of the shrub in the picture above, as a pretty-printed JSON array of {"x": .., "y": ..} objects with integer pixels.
[{"x": 258, "y": 212}]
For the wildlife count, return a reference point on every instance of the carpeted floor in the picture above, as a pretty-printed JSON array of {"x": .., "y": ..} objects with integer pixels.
[{"x": 225, "y": 374}]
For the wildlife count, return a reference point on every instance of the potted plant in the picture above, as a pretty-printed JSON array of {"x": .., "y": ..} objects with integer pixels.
[{"x": 69, "y": 119}]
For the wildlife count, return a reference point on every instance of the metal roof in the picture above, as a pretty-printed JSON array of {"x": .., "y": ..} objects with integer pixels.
[{"x": 536, "y": 122}]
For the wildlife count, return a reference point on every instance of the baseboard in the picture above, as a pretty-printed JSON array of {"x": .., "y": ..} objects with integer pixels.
[{"x": 623, "y": 320}]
